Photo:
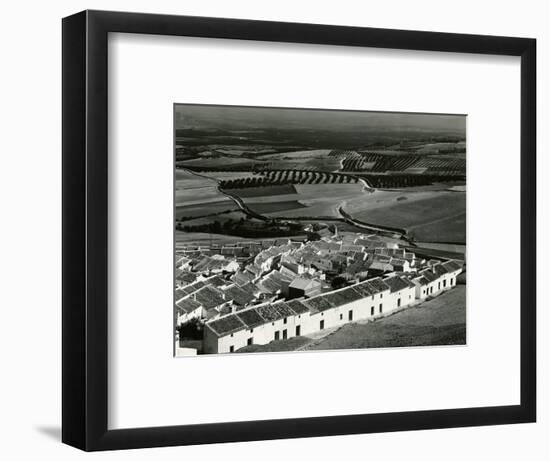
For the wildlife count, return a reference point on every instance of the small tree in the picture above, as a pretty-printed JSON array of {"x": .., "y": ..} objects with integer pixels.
[{"x": 192, "y": 329}]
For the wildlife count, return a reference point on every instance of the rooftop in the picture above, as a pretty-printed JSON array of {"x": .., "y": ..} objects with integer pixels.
[
  {"x": 297, "y": 306},
  {"x": 396, "y": 283},
  {"x": 238, "y": 295},
  {"x": 209, "y": 297},
  {"x": 226, "y": 325},
  {"x": 187, "y": 305},
  {"x": 250, "y": 318}
]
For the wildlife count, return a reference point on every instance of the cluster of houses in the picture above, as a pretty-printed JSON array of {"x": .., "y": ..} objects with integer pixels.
[{"x": 258, "y": 292}]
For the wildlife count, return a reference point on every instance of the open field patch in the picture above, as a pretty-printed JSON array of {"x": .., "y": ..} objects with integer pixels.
[
  {"x": 205, "y": 209},
  {"x": 230, "y": 175},
  {"x": 316, "y": 200},
  {"x": 435, "y": 216},
  {"x": 198, "y": 238},
  {"x": 273, "y": 207},
  {"x": 266, "y": 191},
  {"x": 193, "y": 189},
  {"x": 301, "y": 155},
  {"x": 451, "y": 229},
  {"x": 220, "y": 161}
]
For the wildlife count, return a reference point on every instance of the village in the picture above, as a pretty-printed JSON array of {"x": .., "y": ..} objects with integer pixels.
[{"x": 230, "y": 296}]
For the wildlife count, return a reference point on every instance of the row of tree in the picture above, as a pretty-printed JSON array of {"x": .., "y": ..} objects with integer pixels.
[
  {"x": 407, "y": 180},
  {"x": 282, "y": 177}
]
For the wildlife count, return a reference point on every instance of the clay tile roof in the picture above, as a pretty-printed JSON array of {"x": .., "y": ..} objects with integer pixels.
[
  {"x": 226, "y": 325},
  {"x": 187, "y": 305},
  {"x": 396, "y": 283},
  {"x": 269, "y": 312},
  {"x": 298, "y": 306},
  {"x": 250, "y": 318}
]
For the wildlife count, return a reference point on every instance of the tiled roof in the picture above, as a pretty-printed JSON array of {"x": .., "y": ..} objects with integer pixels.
[
  {"x": 318, "y": 304},
  {"x": 378, "y": 284},
  {"x": 439, "y": 270},
  {"x": 250, "y": 318},
  {"x": 187, "y": 305},
  {"x": 254, "y": 270},
  {"x": 422, "y": 281},
  {"x": 186, "y": 277},
  {"x": 238, "y": 295},
  {"x": 452, "y": 266},
  {"x": 216, "y": 281},
  {"x": 249, "y": 288},
  {"x": 348, "y": 295},
  {"x": 396, "y": 283},
  {"x": 297, "y": 306},
  {"x": 301, "y": 283},
  {"x": 284, "y": 309},
  {"x": 226, "y": 325},
  {"x": 209, "y": 297},
  {"x": 428, "y": 274},
  {"x": 398, "y": 261},
  {"x": 381, "y": 266},
  {"x": 365, "y": 289},
  {"x": 269, "y": 312},
  {"x": 242, "y": 278},
  {"x": 352, "y": 248}
]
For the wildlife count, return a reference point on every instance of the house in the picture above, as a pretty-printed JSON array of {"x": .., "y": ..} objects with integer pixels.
[
  {"x": 186, "y": 309},
  {"x": 400, "y": 265},
  {"x": 274, "y": 283},
  {"x": 290, "y": 264},
  {"x": 183, "y": 262},
  {"x": 254, "y": 270},
  {"x": 257, "y": 325},
  {"x": 216, "y": 264},
  {"x": 242, "y": 277},
  {"x": 210, "y": 297},
  {"x": 238, "y": 296},
  {"x": 378, "y": 267},
  {"x": 184, "y": 278},
  {"x": 402, "y": 291},
  {"x": 280, "y": 320},
  {"x": 304, "y": 287},
  {"x": 421, "y": 283}
]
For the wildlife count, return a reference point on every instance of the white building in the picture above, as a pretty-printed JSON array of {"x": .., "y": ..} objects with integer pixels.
[{"x": 283, "y": 320}]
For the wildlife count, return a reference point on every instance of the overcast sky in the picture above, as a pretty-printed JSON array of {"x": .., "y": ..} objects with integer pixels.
[{"x": 242, "y": 118}]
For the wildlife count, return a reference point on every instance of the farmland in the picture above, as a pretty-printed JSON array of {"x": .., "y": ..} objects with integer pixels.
[
  {"x": 267, "y": 208},
  {"x": 199, "y": 196},
  {"x": 376, "y": 176},
  {"x": 312, "y": 200},
  {"x": 435, "y": 216},
  {"x": 264, "y": 191}
]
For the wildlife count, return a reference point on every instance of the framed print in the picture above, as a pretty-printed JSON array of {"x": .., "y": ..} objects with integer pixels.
[{"x": 280, "y": 230}]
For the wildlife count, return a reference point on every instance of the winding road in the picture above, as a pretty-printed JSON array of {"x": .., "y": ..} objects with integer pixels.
[{"x": 394, "y": 233}]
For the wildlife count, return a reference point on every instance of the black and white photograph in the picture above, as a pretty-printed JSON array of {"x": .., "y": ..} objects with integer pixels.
[{"x": 314, "y": 229}]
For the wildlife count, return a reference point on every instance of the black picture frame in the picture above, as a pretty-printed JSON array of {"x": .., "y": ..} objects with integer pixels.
[{"x": 85, "y": 223}]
